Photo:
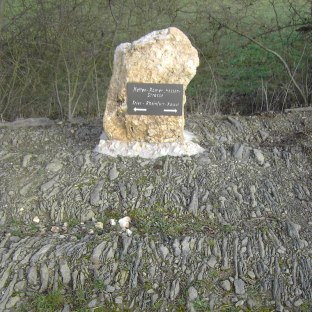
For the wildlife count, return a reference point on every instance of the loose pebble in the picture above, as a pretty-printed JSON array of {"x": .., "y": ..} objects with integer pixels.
[
  {"x": 99, "y": 225},
  {"x": 124, "y": 222},
  {"x": 36, "y": 219}
]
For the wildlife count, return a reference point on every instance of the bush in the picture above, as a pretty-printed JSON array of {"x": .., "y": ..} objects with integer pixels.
[{"x": 57, "y": 55}]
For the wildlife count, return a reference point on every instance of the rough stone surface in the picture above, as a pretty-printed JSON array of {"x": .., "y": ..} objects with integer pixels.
[
  {"x": 226, "y": 285},
  {"x": 239, "y": 286},
  {"x": 192, "y": 294},
  {"x": 28, "y": 122},
  {"x": 212, "y": 261},
  {"x": 163, "y": 56}
]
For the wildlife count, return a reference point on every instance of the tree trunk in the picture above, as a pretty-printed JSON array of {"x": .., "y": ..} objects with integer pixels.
[{"x": 1, "y": 13}]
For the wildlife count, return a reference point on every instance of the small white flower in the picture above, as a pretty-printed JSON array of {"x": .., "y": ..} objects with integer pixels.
[
  {"x": 36, "y": 219},
  {"x": 124, "y": 222},
  {"x": 112, "y": 222}
]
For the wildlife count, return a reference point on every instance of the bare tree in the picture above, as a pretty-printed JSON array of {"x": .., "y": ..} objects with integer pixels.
[
  {"x": 1, "y": 12},
  {"x": 277, "y": 55}
]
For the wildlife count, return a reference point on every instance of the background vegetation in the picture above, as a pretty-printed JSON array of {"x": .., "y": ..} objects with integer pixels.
[{"x": 56, "y": 55}]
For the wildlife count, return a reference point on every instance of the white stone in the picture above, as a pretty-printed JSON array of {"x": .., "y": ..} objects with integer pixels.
[
  {"x": 226, "y": 285},
  {"x": 148, "y": 150},
  {"x": 259, "y": 156},
  {"x": 36, "y": 219},
  {"x": 251, "y": 274},
  {"x": 212, "y": 261},
  {"x": 99, "y": 225},
  {"x": 55, "y": 229},
  {"x": 124, "y": 222},
  {"x": 239, "y": 303},
  {"x": 129, "y": 232},
  {"x": 112, "y": 222},
  {"x": 118, "y": 300}
]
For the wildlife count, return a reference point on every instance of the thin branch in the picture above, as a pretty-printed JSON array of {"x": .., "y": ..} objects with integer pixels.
[
  {"x": 96, "y": 88},
  {"x": 58, "y": 96},
  {"x": 298, "y": 109},
  {"x": 277, "y": 55},
  {"x": 277, "y": 20},
  {"x": 111, "y": 10}
]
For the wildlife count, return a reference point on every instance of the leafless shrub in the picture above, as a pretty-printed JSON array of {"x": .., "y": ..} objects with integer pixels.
[{"x": 56, "y": 55}]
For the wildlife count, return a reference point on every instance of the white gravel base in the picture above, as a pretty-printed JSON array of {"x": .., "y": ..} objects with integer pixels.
[{"x": 148, "y": 150}]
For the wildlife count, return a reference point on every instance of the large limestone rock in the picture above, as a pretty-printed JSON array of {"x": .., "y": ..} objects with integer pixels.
[{"x": 163, "y": 56}]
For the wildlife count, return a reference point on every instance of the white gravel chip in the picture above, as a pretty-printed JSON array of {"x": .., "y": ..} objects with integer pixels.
[
  {"x": 112, "y": 222},
  {"x": 129, "y": 232},
  {"x": 36, "y": 219},
  {"x": 124, "y": 222},
  {"x": 99, "y": 225}
]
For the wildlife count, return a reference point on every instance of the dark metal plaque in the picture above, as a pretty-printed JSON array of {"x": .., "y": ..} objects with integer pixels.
[{"x": 154, "y": 99}]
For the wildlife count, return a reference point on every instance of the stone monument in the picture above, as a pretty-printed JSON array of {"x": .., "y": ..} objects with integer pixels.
[{"x": 162, "y": 63}]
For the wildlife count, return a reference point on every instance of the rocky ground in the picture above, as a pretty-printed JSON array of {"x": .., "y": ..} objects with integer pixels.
[{"x": 226, "y": 230}]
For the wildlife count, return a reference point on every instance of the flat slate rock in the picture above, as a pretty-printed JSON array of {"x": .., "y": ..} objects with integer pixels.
[
  {"x": 231, "y": 232},
  {"x": 28, "y": 122}
]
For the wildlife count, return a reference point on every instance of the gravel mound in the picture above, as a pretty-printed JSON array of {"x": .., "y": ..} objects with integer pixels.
[{"x": 226, "y": 229}]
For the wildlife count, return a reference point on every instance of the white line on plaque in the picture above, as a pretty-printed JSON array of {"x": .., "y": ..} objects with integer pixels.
[
  {"x": 170, "y": 110},
  {"x": 140, "y": 109}
]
